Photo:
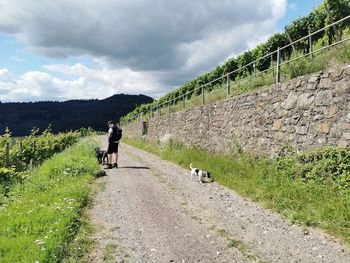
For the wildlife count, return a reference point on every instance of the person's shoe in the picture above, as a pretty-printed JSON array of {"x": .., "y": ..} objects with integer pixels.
[
  {"x": 109, "y": 166},
  {"x": 115, "y": 165}
]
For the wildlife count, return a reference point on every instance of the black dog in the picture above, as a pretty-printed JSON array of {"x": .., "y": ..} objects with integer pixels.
[{"x": 101, "y": 156}]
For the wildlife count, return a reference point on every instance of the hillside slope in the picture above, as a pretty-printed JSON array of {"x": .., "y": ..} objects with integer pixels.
[{"x": 67, "y": 115}]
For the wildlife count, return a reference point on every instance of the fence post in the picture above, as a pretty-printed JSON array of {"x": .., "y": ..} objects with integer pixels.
[
  {"x": 7, "y": 154},
  {"x": 273, "y": 68},
  {"x": 278, "y": 65},
  {"x": 228, "y": 88},
  {"x": 290, "y": 39},
  {"x": 310, "y": 41},
  {"x": 336, "y": 32},
  {"x": 202, "y": 95}
]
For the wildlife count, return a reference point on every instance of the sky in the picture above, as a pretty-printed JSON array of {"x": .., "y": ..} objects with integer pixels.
[{"x": 61, "y": 50}]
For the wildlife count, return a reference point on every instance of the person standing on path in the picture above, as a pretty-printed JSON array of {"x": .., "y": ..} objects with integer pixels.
[{"x": 114, "y": 135}]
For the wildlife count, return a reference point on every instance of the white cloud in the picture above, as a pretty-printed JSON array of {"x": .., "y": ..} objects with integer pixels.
[
  {"x": 154, "y": 42},
  {"x": 86, "y": 84}
]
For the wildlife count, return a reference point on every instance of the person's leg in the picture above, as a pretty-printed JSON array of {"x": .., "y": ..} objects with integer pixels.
[
  {"x": 116, "y": 155},
  {"x": 110, "y": 155}
]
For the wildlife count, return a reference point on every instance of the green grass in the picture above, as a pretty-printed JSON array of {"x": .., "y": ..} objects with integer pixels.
[
  {"x": 312, "y": 203},
  {"x": 44, "y": 213},
  {"x": 108, "y": 253}
]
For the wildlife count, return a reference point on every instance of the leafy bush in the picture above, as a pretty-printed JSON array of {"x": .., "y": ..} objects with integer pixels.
[
  {"x": 329, "y": 165},
  {"x": 28, "y": 150}
]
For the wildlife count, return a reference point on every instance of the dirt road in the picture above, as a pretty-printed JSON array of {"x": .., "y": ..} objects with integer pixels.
[{"x": 149, "y": 210}]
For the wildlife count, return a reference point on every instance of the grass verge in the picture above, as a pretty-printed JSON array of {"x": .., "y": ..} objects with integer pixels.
[
  {"x": 46, "y": 211},
  {"x": 313, "y": 203}
]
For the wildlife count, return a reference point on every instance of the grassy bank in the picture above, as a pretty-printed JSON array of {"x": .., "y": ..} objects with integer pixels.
[
  {"x": 45, "y": 212},
  {"x": 320, "y": 202}
]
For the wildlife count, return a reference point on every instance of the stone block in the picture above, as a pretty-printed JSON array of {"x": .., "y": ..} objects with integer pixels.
[
  {"x": 281, "y": 113},
  {"x": 343, "y": 143},
  {"x": 335, "y": 133},
  {"x": 331, "y": 111},
  {"x": 325, "y": 84},
  {"x": 346, "y": 136},
  {"x": 325, "y": 75},
  {"x": 323, "y": 128},
  {"x": 311, "y": 86},
  {"x": 277, "y": 125},
  {"x": 279, "y": 136},
  {"x": 345, "y": 126},
  {"x": 323, "y": 98},
  {"x": 305, "y": 100},
  {"x": 318, "y": 117},
  {"x": 342, "y": 87},
  {"x": 314, "y": 78},
  {"x": 336, "y": 74},
  {"x": 302, "y": 130},
  {"x": 291, "y": 100}
]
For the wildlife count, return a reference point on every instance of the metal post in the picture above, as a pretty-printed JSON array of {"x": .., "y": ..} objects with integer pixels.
[
  {"x": 332, "y": 21},
  {"x": 278, "y": 66},
  {"x": 228, "y": 88},
  {"x": 7, "y": 154},
  {"x": 310, "y": 41},
  {"x": 203, "y": 95},
  {"x": 273, "y": 68},
  {"x": 290, "y": 39}
]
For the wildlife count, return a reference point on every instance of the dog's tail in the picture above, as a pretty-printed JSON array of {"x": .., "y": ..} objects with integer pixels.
[{"x": 191, "y": 166}]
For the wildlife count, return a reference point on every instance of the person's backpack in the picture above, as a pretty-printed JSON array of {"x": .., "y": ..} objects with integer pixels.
[{"x": 117, "y": 133}]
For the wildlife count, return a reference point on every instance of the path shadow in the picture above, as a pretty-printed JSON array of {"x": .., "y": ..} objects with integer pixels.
[{"x": 134, "y": 167}]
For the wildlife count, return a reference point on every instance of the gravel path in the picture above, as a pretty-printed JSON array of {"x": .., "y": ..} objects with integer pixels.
[{"x": 150, "y": 211}]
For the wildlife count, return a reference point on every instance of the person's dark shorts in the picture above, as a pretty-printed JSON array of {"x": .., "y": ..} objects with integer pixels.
[{"x": 112, "y": 147}]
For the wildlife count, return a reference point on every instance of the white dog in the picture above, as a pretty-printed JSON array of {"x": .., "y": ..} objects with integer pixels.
[{"x": 195, "y": 172}]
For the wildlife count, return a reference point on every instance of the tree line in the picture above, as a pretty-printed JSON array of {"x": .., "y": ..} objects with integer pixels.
[{"x": 20, "y": 118}]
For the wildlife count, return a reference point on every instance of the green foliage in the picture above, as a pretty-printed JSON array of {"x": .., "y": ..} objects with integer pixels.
[
  {"x": 24, "y": 152},
  {"x": 38, "y": 224},
  {"x": 328, "y": 165},
  {"x": 277, "y": 183}
]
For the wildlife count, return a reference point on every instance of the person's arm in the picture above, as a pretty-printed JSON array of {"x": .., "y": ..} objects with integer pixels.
[{"x": 110, "y": 131}]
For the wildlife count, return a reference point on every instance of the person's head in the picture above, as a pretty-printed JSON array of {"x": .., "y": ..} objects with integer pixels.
[{"x": 110, "y": 124}]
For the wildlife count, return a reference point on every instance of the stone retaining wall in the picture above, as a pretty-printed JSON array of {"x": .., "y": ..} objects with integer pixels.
[{"x": 309, "y": 112}]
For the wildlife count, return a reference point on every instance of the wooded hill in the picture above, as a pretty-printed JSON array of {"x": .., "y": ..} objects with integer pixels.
[{"x": 20, "y": 118}]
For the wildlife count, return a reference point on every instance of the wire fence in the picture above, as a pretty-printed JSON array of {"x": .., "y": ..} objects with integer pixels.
[{"x": 223, "y": 87}]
